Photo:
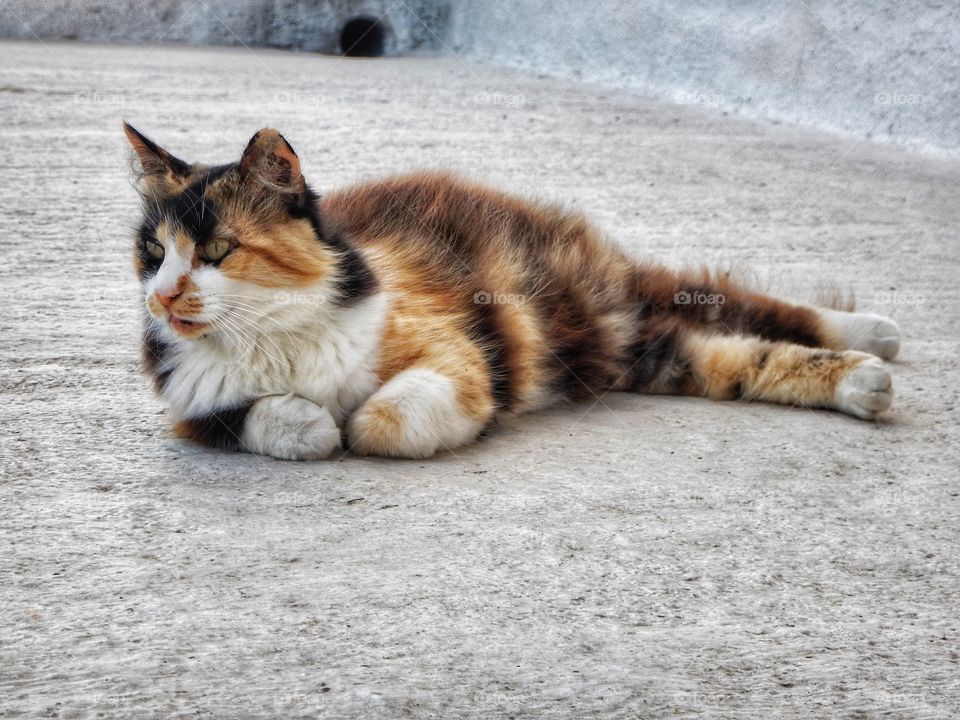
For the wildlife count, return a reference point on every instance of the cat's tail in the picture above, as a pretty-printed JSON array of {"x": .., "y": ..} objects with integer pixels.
[
  {"x": 835, "y": 297},
  {"x": 729, "y": 303}
]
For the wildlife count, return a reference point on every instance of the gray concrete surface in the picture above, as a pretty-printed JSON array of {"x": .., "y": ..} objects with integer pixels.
[{"x": 636, "y": 557}]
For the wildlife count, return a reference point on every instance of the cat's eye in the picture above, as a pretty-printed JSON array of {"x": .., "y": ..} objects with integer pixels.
[
  {"x": 154, "y": 249},
  {"x": 216, "y": 248}
]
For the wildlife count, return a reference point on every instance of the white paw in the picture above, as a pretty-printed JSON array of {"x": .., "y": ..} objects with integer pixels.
[
  {"x": 866, "y": 391},
  {"x": 413, "y": 416},
  {"x": 875, "y": 334},
  {"x": 290, "y": 428}
]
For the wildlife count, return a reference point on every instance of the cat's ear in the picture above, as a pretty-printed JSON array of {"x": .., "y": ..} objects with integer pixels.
[
  {"x": 271, "y": 169},
  {"x": 161, "y": 171}
]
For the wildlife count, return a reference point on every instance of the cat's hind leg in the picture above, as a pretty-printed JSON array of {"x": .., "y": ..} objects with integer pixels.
[
  {"x": 422, "y": 411},
  {"x": 671, "y": 358},
  {"x": 736, "y": 367}
]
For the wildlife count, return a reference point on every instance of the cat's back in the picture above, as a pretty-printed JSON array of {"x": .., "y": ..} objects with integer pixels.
[
  {"x": 439, "y": 230},
  {"x": 431, "y": 207}
]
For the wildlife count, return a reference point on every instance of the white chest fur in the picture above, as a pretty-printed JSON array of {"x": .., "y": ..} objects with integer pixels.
[{"x": 327, "y": 355}]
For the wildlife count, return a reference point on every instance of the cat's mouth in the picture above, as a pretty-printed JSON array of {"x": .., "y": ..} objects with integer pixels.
[{"x": 186, "y": 327}]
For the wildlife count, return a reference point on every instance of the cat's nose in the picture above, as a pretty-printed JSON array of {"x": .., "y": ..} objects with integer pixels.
[{"x": 167, "y": 300}]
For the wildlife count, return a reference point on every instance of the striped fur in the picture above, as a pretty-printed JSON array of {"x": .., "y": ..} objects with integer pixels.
[{"x": 413, "y": 311}]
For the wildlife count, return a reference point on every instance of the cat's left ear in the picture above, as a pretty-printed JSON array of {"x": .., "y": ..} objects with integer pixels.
[
  {"x": 162, "y": 172},
  {"x": 271, "y": 169}
]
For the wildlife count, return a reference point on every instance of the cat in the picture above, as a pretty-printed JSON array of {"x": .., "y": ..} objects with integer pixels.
[{"x": 401, "y": 317}]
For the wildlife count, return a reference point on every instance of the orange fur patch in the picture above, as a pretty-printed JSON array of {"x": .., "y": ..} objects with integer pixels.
[
  {"x": 382, "y": 426},
  {"x": 729, "y": 367},
  {"x": 288, "y": 255}
]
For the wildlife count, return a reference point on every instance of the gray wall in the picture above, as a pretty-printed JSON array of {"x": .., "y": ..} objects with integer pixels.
[
  {"x": 885, "y": 69},
  {"x": 300, "y": 24}
]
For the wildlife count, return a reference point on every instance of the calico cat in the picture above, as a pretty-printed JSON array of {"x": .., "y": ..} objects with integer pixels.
[{"x": 402, "y": 317}]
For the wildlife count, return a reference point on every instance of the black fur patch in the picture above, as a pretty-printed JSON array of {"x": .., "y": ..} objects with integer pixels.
[
  {"x": 485, "y": 329},
  {"x": 782, "y": 327},
  {"x": 149, "y": 265},
  {"x": 221, "y": 429},
  {"x": 580, "y": 356},
  {"x": 654, "y": 357},
  {"x": 211, "y": 175},
  {"x": 762, "y": 359},
  {"x": 821, "y": 358},
  {"x": 191, "y": 211},
  {"x": 354, "y": 278},
  {"x": 154, "y": 352}
]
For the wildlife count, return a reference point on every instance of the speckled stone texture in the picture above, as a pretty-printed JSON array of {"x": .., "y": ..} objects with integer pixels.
[{"x": 632, "y": 557}]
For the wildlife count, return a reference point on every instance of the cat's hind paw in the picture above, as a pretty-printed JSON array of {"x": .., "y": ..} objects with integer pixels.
[
  {"x": 875, "y": 334},
  {"x": 866, "y": 391},
  {"x": 415, "y": 415},
  {"x": 289, "y": 427}
]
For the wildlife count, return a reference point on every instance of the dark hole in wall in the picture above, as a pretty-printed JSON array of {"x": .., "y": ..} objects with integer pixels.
[{"x": 362, "y": 36}]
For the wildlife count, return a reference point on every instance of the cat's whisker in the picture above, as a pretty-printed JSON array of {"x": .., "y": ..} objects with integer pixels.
[
  {"x": 350, "y": 354},
  {"x": 231, "y": 300},
  {"x": 254, "y": 341},
  {"x": 235, "y": 333},
  {"x": 257, "y": 312},
  {"x": 231, "y": 335},
  {"x": 255, "y": 335}
]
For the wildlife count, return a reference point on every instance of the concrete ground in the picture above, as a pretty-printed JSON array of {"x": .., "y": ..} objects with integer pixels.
[{"x": 633, "y": 557}]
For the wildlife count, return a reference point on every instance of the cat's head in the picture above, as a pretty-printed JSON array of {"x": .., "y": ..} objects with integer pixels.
[{"x": 221, "y": 246}]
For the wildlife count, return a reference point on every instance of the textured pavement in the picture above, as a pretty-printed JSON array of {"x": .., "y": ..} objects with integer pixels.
[{"x": 633, "y": 557}]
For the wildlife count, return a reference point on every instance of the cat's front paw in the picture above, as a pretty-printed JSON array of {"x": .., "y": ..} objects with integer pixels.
[
  {"x": 866, "y": 391},
  {"x": 289, "y": 427}
]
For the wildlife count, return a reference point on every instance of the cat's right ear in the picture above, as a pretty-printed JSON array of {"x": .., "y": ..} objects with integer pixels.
[{"x": 161, "y": 172}]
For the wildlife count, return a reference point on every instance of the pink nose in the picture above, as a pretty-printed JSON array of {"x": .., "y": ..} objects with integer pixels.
[{"x": 167, "y": 300}]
